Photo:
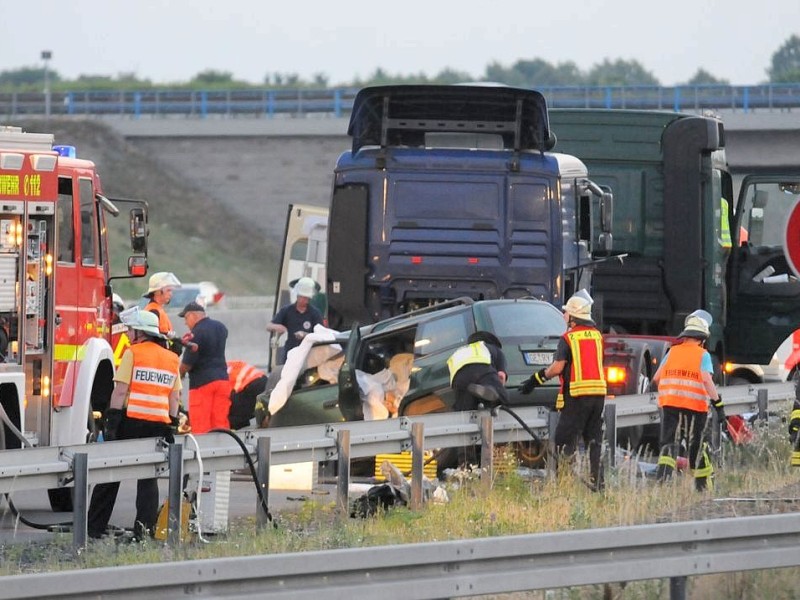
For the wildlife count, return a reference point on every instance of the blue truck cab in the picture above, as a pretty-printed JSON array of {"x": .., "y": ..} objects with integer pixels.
[{"x": 451, "y": 191}]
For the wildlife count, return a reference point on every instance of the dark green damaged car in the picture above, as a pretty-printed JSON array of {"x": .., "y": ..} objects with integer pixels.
[{"x": 528, "y": 329}]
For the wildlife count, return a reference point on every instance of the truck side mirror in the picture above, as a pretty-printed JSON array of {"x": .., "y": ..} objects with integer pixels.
[
  {"x": 605, "y": 242},
  {"x": 606, "y": 212},
  {"x": 137, "y": 266},
  {"x": 139, "y": 230}
]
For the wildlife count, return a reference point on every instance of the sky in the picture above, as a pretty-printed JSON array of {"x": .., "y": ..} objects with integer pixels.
[{"x": 172, "y": 41}]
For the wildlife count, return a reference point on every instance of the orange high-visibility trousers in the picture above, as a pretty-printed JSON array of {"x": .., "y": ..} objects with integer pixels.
[{"x": 209, "y": 406}]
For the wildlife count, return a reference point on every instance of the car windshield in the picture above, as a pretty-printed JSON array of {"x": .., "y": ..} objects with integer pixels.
[{"x": 524, "y": 320}]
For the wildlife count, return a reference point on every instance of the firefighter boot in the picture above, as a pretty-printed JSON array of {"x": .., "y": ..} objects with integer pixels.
[
  {"x": 703, "y": 472},
  {"x": 666, "y": 463}
]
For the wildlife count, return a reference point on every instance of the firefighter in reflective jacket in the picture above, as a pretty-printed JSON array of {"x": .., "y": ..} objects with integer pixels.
[
  {"x": 159, "y": 291},
  {"x": 144, "y": 404},
  {"x": 247, "y": 383},
  {"x": 481, "y": 361},
  {"x": 685, "y": 386},
  {"x": 578, "y": 361},
  {"x": 794, "y": 422}
]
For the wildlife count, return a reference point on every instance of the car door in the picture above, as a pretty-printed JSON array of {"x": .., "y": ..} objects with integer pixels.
[
  {"x": 763, "y": 292},
  {"x": 349, "y": 398},
  {"x": 304, "y": 254}
]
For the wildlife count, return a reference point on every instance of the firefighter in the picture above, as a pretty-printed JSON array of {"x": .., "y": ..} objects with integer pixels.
[
  {"x": 144, "y": 404},
  {"x": 685, "y": 385},
  {"x": 247, "y": 383},
  {"x": 794, "y": 422},
  {"x": 298, "y": 319},
  {"x": 481, "y": 361},
  {"x": 578, "y": 361},
  {"x": 159, "y": 291}
]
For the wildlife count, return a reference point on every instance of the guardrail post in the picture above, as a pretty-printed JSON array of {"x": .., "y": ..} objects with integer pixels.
[
  {"x": 552, "y": 423},
  {"x": 417, "y": 464},
  {"x": 677, "y": 588},
  {"x": 80, "y": 500},
  {"x": 175, "y": 493},
  {"x": 611, "y": 434},
  {"x": 761, "y": 399},
  {"x": 716, "y": 426},
  {"x": 263, "y": 456},
  {"x": 487, "y": 451},
  {"x": 343, "y": 471}
]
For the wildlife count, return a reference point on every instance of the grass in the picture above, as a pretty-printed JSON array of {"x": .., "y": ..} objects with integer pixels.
[{"x": 515, "y": 505}]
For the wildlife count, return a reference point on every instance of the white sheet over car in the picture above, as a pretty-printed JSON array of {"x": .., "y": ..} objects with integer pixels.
[{"x": 302, "y": 357}]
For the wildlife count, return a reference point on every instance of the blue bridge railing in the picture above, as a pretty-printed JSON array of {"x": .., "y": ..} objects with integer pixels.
[{"x": 339, "y": 102}]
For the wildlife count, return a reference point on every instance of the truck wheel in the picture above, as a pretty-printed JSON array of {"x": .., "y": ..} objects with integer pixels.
[{"x": 530, "y": 454}]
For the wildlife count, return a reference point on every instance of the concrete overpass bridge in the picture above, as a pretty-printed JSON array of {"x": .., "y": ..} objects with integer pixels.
[{"x": 259, "y": 166}]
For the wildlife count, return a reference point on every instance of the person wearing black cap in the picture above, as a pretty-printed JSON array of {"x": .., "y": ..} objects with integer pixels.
[
  {"x": 685, "y": 386},
  {"x": 204, "y": 361},
  {"x": 482, "y": 362}
]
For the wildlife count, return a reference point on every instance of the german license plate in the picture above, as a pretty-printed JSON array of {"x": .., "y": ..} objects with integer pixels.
[{"x": 538, "y": 358}]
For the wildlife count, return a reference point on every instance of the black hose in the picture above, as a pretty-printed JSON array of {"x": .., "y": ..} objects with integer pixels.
[
  {"x": 519, "y": 420},
  {"x": 262, "y": 495}
]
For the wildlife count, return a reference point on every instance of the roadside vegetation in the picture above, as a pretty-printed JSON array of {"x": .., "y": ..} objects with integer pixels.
[
  {"x": 517, "y": 504},
  {"x": 784, "y": 67}
]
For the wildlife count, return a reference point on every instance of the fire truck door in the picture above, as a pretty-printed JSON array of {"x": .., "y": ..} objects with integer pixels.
[{"x": 65, "y": 315}]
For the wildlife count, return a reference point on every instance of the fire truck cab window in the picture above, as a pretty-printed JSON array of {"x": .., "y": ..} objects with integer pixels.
[
  {"x": 88, "y": 224},
  {"x": 66, "y": 227}
]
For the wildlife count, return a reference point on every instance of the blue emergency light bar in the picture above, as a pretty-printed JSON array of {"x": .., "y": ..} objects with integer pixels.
[{"x": 66, "y": 151}]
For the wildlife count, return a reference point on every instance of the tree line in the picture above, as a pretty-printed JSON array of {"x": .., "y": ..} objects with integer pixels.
[{"x": 784, "y": 68}]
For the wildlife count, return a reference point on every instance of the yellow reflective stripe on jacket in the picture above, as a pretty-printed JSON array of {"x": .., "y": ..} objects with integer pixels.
[
  {"x": 474, "y": 354},
  {"x": 122, "y": 344},
  {"x": 586, "y": 375}
]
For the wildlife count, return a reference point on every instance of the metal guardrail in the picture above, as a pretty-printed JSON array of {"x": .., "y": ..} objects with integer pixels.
[
  {"x": 51, "y": 467},
  {"x": 450, "y": 569},
  {"x": 338, "y": 102},
  {"x": 82, "y": 465}
]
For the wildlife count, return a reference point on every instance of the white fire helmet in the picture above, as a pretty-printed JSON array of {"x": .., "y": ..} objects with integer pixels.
[
  {"x": 579, "y": 306},
  {"x": 160, "y": 280},
  {"x": 305, "y": 287},
  {"x": 697, "y": 325},
  {"x": 141, "y": 320}
]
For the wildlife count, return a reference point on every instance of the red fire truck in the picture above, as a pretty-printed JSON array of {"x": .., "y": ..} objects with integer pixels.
[{"x": 56, "y": 347}]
